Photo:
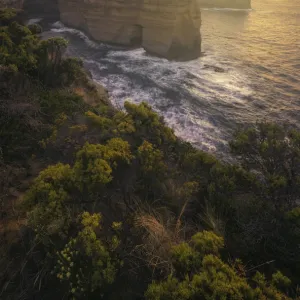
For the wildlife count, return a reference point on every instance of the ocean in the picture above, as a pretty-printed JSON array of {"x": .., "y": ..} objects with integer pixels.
[{"x": 249, "y": 71}]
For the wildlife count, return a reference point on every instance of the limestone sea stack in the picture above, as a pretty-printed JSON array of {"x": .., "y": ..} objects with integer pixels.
[
  {"x": 237, "y": 4},
  {"x": 168, "y": 28}
]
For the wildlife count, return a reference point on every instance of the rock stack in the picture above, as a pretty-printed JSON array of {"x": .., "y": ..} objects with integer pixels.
[{"x": 169, "y": 28}]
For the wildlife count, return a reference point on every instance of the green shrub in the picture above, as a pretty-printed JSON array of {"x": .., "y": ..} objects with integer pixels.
[
  {"x": 206, "y": 242},
  {"x": 86, "y": 263},
  {"x": 149, "y": 125},
  {"x": 202, "y": 275}
]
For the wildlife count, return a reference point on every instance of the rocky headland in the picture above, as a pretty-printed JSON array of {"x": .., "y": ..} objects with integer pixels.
[{"x": 166, "y": 28}]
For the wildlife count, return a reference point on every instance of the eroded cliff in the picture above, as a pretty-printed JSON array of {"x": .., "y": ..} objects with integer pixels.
[
  {"x": 46, "y": 9},
  {"x": 169, "y": 28}
]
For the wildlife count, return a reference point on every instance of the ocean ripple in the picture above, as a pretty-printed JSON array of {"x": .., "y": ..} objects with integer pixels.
[{"x": 249, "y": 71}]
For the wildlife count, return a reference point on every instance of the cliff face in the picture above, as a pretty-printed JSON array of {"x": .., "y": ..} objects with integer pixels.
[
  {"x": 47, "y": 9},
  {"x": 238, "y": 4},
  {"x": 169, "y": 28}
]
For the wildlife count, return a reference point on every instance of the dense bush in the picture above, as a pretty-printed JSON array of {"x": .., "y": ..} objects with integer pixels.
[{"x": 199, "y": 273}]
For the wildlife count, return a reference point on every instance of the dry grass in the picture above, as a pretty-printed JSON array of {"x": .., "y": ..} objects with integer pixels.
[
  {"x": 211, "y": 220},
  {"x": 158, "y": 237},
  {"x": 154, "y": 228},
  {"x": 157, "y": 242}
]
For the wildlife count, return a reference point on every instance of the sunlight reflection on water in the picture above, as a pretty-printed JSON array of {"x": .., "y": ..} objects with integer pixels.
[{"x": 249, "y": 71}]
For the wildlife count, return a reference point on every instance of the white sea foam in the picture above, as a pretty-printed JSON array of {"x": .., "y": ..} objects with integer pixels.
[
  {"x": 158, "y": 80},
  {"x": 235, "y": 81},
  {"x": 33, "y": 21},
  {"x": 60, "y": 28}
]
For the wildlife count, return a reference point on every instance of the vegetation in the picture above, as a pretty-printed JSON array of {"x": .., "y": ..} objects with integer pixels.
[
  {"x": 98, "y": 203},
  {"x": 199, "y": 273}
]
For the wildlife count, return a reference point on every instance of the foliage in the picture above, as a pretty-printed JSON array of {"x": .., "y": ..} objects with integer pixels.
[
  {"x": 151, "y": 159},
  {"x": 94, "y": 163},
  {"x": 201, "y": 275},
  {"x": 46, "y": 200},
  {"x": 54, "y": 103},
  {"x": 149, "y": 124},
  {"x": 7, "y": 15},
  {"x": 280, "y": 281},
  {"x": 207, "y": 242},
  {"x": 85, "y": 263},
  {"x": 90, "y": 167},
  {"x": 116, "y": 125},
  {"x": 271, "y": 153},
  {"x": 274, "y": 152},
  {"x": 98, "y": 164},
  {"x": 34, "y": 77}
]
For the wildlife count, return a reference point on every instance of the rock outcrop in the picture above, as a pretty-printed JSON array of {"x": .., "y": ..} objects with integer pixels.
[
  {"x": 46, "y": 9},
  {"x": 169, "y": 28},
  {"x": 237, "y": 4}
]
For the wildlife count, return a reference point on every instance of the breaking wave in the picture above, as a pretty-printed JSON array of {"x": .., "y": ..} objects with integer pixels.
[{"x": 247, "y": 73}]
